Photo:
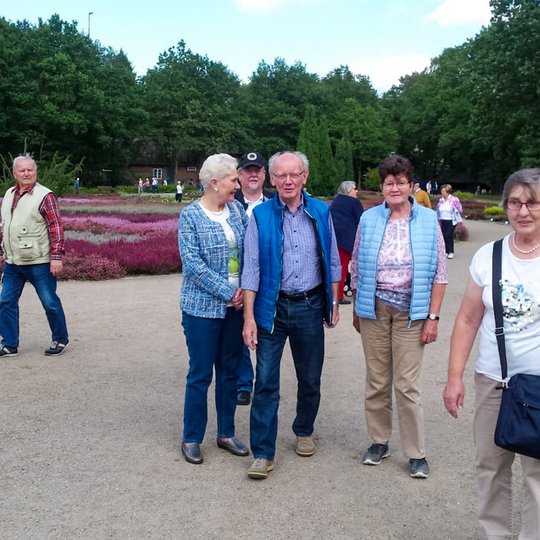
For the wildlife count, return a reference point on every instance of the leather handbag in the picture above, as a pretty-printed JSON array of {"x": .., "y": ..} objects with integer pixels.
[{"x": 518, "y": 423}]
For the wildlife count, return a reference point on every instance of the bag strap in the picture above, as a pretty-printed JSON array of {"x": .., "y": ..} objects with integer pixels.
[{"x": 496, "y": 291}]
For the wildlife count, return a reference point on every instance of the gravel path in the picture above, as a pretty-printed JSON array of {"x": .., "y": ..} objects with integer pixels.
[{"x": 89, "y": 441}]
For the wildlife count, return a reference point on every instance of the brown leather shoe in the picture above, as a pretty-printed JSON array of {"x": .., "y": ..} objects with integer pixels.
[
  {"x": 192, "y": 452},
  {"x": 233, "y": 445}
]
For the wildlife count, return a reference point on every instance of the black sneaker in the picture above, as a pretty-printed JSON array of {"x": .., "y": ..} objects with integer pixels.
[
  {"x": 375, "y": 454},
  {"x": 57, "y": 348},
  {"x": 243, "y": 398},
  {"x": 418, "y": 468},
  {"x": 6, "y": 350}
]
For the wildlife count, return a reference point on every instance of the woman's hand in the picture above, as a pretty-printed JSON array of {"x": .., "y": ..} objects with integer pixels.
[
  {"x": 238, "y": 299},
  {"x": 356, "y": 322},
  {"x": 454, "y": 396},
  {"x": 430, "y": 331}
]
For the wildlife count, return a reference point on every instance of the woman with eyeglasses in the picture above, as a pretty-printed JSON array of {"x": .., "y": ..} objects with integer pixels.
[
  {"x": 449, "y": 212},
  {"x": 521, "y": 322},
  {"x": 346, "y": 210},
  {"x": 398, "y": 277}
]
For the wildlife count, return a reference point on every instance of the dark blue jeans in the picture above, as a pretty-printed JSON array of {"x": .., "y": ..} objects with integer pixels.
[
  {"x": 39, "y": 275},
  {"x": 211, "y": 343},
  {"x": 245, "y": 372},
  {"x": 302, "y": 322}
]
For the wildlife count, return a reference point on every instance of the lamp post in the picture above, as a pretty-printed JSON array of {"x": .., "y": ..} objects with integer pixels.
[{"x": 89, "y": 14}]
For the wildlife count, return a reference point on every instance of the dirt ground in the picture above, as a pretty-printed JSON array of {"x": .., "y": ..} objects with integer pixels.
[{"x": 89, "y": 441}]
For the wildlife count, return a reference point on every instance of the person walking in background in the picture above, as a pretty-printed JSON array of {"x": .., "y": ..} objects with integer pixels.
[
  {"x": 290, "y": 279},
  {"x": 421, "y": 196},
  {"x": 179, "y": 191},
  {"x": 140, "y": 187},
  {"x": 449, "y": 214},
  {"x": 76, "y": 186},
  {"x": 398, "y": 277},
  {"x": 346, "y": 210},
  {"x": 428, "y": 187},
  {"x": 146, "y": 185},
  {"x": 521, "y": 328},
  {"x": 211, "y": 240},
  {"x": 155, "y": 185},
  {"x": 32, "y": 247},
  {"x": 251, "y": 175}
]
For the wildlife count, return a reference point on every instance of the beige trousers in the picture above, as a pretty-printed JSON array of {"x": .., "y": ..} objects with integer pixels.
[
  {"x": 494, "y": 472},
  {"x": 393, "y": 353}
]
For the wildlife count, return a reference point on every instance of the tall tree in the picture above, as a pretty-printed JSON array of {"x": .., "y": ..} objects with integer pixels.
[
  {"x": 344, "y": 158},
  {"x": 192, "y": 104},
  {"x": 60, "y": 92},
  {"x": 275, "y": 101}
]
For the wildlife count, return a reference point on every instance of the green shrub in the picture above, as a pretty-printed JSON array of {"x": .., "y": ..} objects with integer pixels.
[
  {"x": 370, "y": 180},
  {"x": 464, "y": 195},
  {"x": 495, "y": 211}
]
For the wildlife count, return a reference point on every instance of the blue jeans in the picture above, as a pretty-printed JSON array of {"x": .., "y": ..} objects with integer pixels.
[
  {"x": 302, "y": 322},
  {"x": 245, "y": 372},
  {"x": 39, "y": 275},
  {"x": 211, "y": 342}
]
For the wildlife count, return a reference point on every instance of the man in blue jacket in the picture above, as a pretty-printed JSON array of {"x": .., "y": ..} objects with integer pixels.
[{"x": 290, "y": 279}]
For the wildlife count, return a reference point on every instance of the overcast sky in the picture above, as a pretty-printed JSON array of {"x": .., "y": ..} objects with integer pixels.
[{"x": 381, "y": 39}]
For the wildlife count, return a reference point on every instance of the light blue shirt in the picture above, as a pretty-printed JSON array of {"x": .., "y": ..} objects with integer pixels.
[{"x": 301, "y": 265}]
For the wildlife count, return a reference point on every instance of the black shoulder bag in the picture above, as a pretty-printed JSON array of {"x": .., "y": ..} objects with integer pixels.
[{"x": 518, "y": 424}]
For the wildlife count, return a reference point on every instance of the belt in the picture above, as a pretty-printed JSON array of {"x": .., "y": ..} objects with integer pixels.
[{"x": 293, "y": 297}]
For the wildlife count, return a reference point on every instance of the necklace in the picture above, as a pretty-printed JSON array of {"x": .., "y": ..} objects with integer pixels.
[{"x": 524, "y": 251}]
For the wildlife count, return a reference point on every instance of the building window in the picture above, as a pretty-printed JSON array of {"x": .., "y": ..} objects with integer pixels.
[
  {"x": 191, "y": 168},
  {"x": 157, "y": 173}
]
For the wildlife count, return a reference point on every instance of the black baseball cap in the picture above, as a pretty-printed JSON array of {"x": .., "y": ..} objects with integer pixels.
[{"x": 251, "y": 158}]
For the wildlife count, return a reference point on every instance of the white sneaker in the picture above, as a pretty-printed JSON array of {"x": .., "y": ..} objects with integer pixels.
[{"x": 449, "y": 255}]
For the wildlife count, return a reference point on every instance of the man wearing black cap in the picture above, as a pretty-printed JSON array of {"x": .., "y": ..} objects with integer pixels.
[{"x": 251, "y": 174}]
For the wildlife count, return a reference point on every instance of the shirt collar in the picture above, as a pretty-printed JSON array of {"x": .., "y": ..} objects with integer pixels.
[{"x": 30, "y": 190}]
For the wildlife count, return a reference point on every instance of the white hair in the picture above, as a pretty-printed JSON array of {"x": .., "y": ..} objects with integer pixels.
[{"x": 216, "y": 166}]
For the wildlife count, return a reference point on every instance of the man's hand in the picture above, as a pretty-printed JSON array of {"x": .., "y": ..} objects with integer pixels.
[
  {"x": 249, "y": 333},
  {"x": 335, "y": 317},
  {"x": 56, "y": 267}
]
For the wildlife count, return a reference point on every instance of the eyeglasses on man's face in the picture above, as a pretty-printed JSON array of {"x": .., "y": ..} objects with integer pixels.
[
  {"x": 515, "y": 205},
  {"x": 292, "y": 176}
]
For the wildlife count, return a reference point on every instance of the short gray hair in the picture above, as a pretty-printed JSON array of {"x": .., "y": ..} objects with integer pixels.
[
  {"x": 346, "y": 187},
  {"x": 302, "y": 157},
  {"x": 216, "y": 166},
  {"x": 24, "y": 157},
  {"x": 526, "y": 178}
]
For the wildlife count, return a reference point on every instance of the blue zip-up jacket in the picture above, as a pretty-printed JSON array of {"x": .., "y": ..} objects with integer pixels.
[
  {"x": 423, "y": 233},
  {"x": 269, "y": 217},
  {"x": 205, "y": 260}
]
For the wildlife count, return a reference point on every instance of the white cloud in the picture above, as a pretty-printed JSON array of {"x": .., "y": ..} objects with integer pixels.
[
  {"x": 385, "y": 71},
  {"x": 458, "y": 12},
  {"x": 268, "y": 6}
]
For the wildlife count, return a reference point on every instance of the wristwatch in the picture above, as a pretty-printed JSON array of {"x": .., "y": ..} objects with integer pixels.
[{"x": 433, "y": 317}]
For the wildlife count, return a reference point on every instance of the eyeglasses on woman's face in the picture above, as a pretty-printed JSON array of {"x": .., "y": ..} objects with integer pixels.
[
  {"x": 515, "y": 205},
  {"x": 400, "y": 182}
]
